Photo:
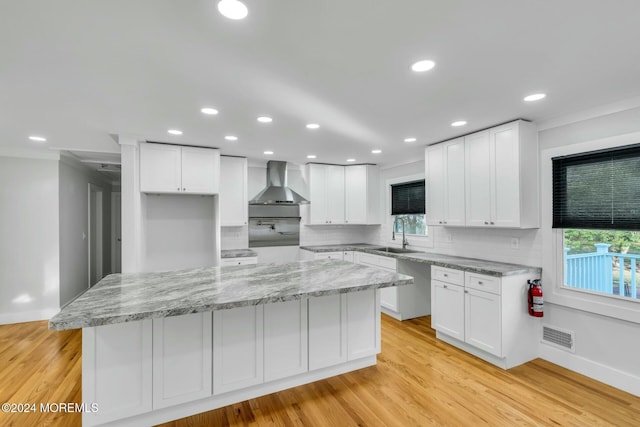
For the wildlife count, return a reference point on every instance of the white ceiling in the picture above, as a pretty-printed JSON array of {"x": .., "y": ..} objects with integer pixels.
[{"x": 79, "y": 72}]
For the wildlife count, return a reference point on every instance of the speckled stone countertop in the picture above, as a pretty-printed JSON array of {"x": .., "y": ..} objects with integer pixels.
[
  {"x": 129, "y": 297},
  {"x": 237, "y": 253},
  {"x": 490, "y": 268},
  {"x": 338, "y": 248}
]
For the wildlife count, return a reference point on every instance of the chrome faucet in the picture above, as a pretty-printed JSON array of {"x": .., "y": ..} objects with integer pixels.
[{"x": 393, "y": 232}]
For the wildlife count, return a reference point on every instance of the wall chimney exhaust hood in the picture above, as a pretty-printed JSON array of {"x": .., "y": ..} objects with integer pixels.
[{"x": 277, "y": 191}]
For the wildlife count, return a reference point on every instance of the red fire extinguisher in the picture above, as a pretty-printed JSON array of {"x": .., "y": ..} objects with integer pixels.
[{"x": 536, "y": 304}]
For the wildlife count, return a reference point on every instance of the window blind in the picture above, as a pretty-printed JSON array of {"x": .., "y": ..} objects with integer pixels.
[
  {"x": 599, "y": 189},
  {"x": 408, "y": 198}
]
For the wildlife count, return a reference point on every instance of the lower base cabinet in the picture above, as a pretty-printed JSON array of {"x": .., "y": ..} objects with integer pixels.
[
  {"x": 484, "y": 315},
  {"x": 285, "y": 339},
  {"x": 181, "y": 359},
  {"x": 238, "y": 336},
  {"x": 133, "y": 369}
]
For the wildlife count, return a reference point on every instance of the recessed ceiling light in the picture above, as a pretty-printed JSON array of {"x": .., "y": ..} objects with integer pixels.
[
  {"x": 459, "y": 123},
  {"x": 265, "y": 119},
  {"x": 210, "y": 111},
  {"x": 410, "y": 139},
  {"x": 37, "y": 138},
  {"x": 311, "y": 156},
  {"x": 424, "y": 65},
  {"x": 376, "y": 151},
  {"x": 313, "y": 126},
  {"x": 268, "y": 153},
  {"x": 351, "y": 160},
  {"x": 534, "y": 97},
  {"x": 175, "y": 132},
  {"x": 232, "y": 9},
  {"x": 231, "y": 138}
]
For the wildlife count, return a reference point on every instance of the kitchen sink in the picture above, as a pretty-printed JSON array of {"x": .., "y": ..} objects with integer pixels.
[{"x": 393, "y": 250}]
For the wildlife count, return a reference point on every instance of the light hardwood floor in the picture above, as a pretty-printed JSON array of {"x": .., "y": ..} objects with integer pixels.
[{"x": 418, "y": 381}]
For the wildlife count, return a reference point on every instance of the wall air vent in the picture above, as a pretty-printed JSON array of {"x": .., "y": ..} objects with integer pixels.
[{"x": 559, "y": 338}]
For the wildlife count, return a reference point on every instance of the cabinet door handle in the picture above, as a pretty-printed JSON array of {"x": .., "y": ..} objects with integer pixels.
[
  {"x": 466, "y": 292},
  {"x": 178, "y": 188},
  {"x": 444, "y": 222},
  {"x": 445, "y": 275},
  {"x": 480, "y": 282},
  {"x": 486, "y": 222},
  {"x": 446, "y": 287},
  {"x": 184, "y": 189},
  {"x": 492, "y": 223},
  {"x": 439, "y": 222}
]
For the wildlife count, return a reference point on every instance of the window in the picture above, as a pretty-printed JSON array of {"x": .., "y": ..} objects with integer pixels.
[
  {"x": 408, "y": 202},
  {"x": 596, "y": 203}
]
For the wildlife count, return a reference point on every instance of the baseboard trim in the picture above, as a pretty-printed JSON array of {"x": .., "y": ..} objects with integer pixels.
[
  {"x": 611, "y": 376},
  {"x": 28, "y": 316}
]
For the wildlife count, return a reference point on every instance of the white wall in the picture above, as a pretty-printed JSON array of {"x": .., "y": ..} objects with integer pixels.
[
  {"x": 29, "y": 261},
  {"x": 606, "y": 349},
  {"x": 178, "y": 232},
  {"x": 74, "y": 179}
]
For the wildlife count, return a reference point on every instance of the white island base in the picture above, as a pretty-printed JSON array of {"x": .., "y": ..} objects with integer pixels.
[{"x": 156, "y": 370}]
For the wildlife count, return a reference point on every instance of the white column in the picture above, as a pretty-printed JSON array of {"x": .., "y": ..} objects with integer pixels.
[{"x": 131, "y": 206}]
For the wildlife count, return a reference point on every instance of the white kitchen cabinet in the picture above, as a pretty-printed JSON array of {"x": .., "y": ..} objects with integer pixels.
[
  {"x": 239, "y": 261},
  {"x": 447, "y": 311},
  {"x": 285, "y": 339},
  {"x": 328, "y": 255},
  {"x": 327, "y": 331},
  {"x": 484, "y": 315},
  {"x": 326, "y": 194},
  {"x": 238, "y": 350},
  {"x": 117, "y": 370},
  {"x": 181, "y": 359},
  {"x": 363, "y": 324},
  {"x": 445, "y": 172},
  {"x": 501, "y": 177},
  {"x": 168, "y": 168},
  {"x": 362, "y": 194},
  {"x": 388, "y": 296},
  {"x": 233, "y": 191}
]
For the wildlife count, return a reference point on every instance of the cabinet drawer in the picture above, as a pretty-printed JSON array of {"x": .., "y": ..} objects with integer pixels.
[
  {"x": 378, "y": 261},
  {"x": 482, "y": 282},
  {"x": 238, "y": 261},
  {"x": 447, "y": 275},
  {"x": 328, "y": 255}
]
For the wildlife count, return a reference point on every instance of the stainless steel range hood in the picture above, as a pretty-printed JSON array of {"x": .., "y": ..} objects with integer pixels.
[{"x": 277, "y": 191}]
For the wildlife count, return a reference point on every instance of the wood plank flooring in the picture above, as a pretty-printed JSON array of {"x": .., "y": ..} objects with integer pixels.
[{"x": 418, "y": 381}]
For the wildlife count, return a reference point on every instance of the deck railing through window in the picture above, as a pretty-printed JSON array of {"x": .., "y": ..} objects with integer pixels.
[{"x": 603, "y": 271}]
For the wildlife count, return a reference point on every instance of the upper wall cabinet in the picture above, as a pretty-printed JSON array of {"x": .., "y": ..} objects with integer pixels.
[
  {"x": 326, "y": 194},
  {"x": 445, "y": 183},
  {"x": 486, "y": 179},
  {"x": 501, "y": 176},
  {"x": 233, "y": 191},
  {"x": 361, "y": 194},
  {"x": 343, "y": 194},
  {"x": 168, "y": 168}
]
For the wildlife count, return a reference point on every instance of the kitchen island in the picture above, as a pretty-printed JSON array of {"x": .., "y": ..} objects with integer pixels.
[{"x": 162, "y": 346}]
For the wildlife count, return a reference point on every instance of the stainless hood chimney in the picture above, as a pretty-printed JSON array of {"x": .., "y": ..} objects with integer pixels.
[{"x": 277, "y": 191}]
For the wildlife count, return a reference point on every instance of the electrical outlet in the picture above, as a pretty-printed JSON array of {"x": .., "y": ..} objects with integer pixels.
[
  {"x": 515, "y": 243},
  {"x": 449, "y": 237}
]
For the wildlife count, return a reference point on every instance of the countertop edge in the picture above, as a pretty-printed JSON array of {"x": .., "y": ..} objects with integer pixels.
[
  {"x": 510, "y": 269},
  {"x": 116, "y": 319}
]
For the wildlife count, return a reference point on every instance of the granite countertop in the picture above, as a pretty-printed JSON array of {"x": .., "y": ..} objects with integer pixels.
[
  {"x": 237, "y": 253},
  {"x": 129, "y": 297},
  {"x": 490, "y": 268},
  {"x": 338, "y": 248}
]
